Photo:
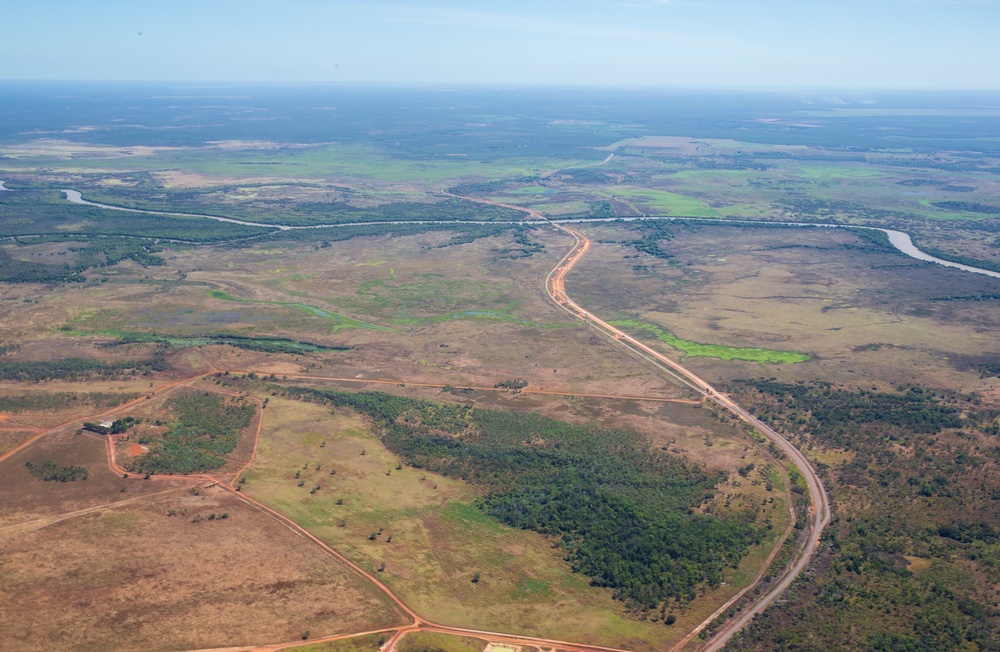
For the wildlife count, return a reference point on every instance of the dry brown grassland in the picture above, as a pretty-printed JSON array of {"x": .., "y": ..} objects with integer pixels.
[{"x": 458, "y": 315}]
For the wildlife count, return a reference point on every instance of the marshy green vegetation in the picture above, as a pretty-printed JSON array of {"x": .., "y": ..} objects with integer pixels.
[{"x": 720, "y": 351}]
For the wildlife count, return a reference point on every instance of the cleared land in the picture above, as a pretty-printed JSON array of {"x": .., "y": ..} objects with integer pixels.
[{"x": 173, "y": 571}]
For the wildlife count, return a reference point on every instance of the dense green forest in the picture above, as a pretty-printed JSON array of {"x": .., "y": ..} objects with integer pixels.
[
  {"x": 624, "y": 514},
  {"x": 206, "y": 428},
  {"x": 840, "y": 417},
  {"x": 910, "y": 561}
]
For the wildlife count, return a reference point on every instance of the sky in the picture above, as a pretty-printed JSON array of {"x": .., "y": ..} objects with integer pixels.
[{"x": 719, "y": 44}]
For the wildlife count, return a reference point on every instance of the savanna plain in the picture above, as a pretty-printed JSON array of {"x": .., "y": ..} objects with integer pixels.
[{"x": 314, "y": 390}]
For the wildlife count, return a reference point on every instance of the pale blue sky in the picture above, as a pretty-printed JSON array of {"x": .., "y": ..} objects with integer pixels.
[{"x": 913, "y": 44}]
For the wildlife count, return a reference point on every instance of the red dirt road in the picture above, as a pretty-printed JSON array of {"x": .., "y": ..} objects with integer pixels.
[{"x": 555, "y": 287}]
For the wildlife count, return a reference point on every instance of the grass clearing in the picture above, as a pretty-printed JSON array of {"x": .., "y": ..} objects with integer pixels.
[
  {"x": 180, "y": 579},
  {"x": 425, "y": 641},
  {"x": 341, "y": 322},
  {"x": 367, "y": 643},
  {"x": 722, "y": 352},
  {"x": 660, "y": 201}
]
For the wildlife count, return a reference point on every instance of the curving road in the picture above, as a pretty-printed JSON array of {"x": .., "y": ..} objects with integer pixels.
[
  {"x": 555, "y": 286},
  {"x": 819, "y": 516},
  {"x": 820, "y": 512}
]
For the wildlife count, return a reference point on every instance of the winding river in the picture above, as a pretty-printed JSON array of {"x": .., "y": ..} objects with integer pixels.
[
  {"x": 900, "y": 240},
  {"x": 74, "y": 197}
]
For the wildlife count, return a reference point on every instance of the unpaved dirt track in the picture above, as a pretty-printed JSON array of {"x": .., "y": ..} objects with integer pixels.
[
  {"x": 819, "y": 516},
  {"x": 820, "y": 513},
  {"x": 556, "y": 289}
]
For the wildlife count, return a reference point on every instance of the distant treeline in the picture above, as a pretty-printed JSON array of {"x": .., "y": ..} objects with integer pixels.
[
  {"x": 32, "y": 212},
  {"x": 55, "y": 401},
  {"x": 246, "y": 342},
  {"x": 963, "y": 260},
  {"x": 99, "y": 251},
  {"x": 296, "y": 213},
  {"x": 79, "y": 369},
  {"x": 486, "y": 187},
  {"x": 967, "y": 206},
  {"x": 967, "y": 297}
]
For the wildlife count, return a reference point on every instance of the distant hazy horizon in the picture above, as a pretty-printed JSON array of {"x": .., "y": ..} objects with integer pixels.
[{"x": 683, "y": 44}]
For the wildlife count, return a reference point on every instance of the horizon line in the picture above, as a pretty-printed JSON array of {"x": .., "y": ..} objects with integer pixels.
[{"x": 520, "y": 85}]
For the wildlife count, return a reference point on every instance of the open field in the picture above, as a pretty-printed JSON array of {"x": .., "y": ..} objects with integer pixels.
[
  {"x": 174, "y": 571},
  {"x": 423, "y": 641},
  {"x": 364, "y": 643},
  {"x": 852, "y": 310},
  {"x": 457, "y": 314}
]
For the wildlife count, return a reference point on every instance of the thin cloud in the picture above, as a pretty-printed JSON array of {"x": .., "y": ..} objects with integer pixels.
[{"x": 447, "y": 17}]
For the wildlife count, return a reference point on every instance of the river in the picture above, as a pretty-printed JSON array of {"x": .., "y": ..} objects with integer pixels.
[{"x": 900, "y": 240}]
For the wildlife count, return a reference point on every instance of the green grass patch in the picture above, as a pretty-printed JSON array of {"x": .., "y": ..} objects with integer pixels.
[
  {"x": 836, "y": 172},
  {"x": 433, "y": 642},
  {"x": 529, "y": 190},
  {"x": 722, "y": 352},
  {"x": 341, "y": 321},
  {"x": 661, "y": 201},
  {"x": 249, "y": 343},
  {"x": 366, "y": 643}
]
